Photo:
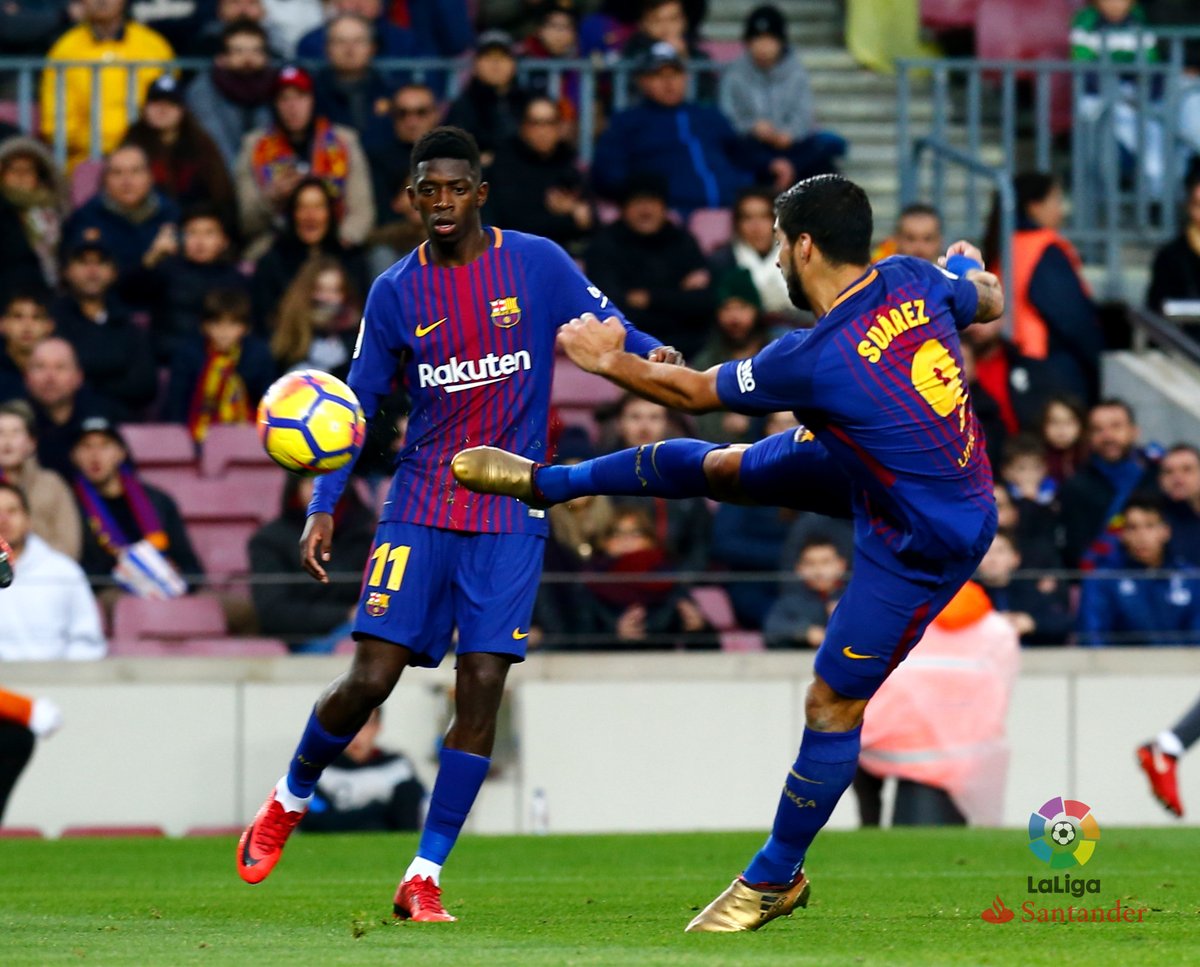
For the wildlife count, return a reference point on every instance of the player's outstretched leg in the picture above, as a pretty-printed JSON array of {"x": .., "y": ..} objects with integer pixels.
[
  {"x": 463, "y": 765},
  {"x": 333, "y": 723},
  {"x": 670, "y": 468},
  {"x": 1159, "y": 759}
]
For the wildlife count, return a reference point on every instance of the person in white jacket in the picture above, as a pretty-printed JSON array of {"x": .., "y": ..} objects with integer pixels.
[{"x": 48, "y": 611}]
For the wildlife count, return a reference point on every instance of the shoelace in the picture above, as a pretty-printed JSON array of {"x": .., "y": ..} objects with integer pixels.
[
  {"x": 272, "y": 835},
  {"x": 426, "y": 894}
]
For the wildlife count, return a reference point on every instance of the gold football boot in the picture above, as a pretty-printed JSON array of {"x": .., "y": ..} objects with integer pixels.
[
  {"x": 490, "y": 470},
  {"x": 742, "y": 907}
]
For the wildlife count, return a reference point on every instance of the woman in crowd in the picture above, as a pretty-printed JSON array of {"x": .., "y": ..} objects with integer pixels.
[{"x": 317, "y": 321}]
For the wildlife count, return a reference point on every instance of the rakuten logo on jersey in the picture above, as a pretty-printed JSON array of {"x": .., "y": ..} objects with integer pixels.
[{"x": 456, "y": 374}]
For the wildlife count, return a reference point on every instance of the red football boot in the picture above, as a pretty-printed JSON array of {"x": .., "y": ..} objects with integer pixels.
[
  {"x": 1160, "y": 770},
  {"x": 262, "y": 843},
  {"x": 420, "y": 899}
]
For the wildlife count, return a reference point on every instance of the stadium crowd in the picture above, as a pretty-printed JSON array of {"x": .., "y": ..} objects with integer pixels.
[{"x": 240, "y": 214}]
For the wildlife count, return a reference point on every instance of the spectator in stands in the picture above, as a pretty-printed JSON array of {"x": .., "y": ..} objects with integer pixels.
[
  {"x": 22, "y": 721},
  {"x": 287, "y": 21},
  {"x": 300, "y": 144},
  {"x": 1061, "y": 427},
  {"x": 310, "y": 228},
  {"x": 103, "y": 36},
  {"x": 492, "y": 103},
  {"x": 181, "y": 281},
  {"x": 751, "y": 539},
  {"x": 1115, "y": 472},
  {"x": 799, "y": 617},
  {"x": 692, "y": 147},
  {"x": 638, "y": 613},
  {"x": 768, "y": 96},
  {"x": 349, "y": 89},
  {"x": 918, "y": 233},
  {"x": 442, "y": 28},
  {"x": 1039, "y": 610},
  {"x": 653, "y": 268},
  {"x": 1023, "y": 468},
  {"x": 1179, "y": 478},
  {"x": 314, "y": 621},
  {"x": 386, "y": 38},
  {"x": 61, "y": 402},
  {"x": 29, "y": 27},
  {"x": 556, "y": 38},
  {"x": 34, "y": 201},
  {"x": 1140, "y": 610},
  {"x": 129, "y": 218},
  {"x": 1175, "y": 278},
  {"x": 1054, "y": 318},
  {"x": 177, "y": 21},
  {"x": 219, "y": 373},
  {"x": 666, "y": 22},
  {"x": 120, "y": 511},
  {"x": 52, "y": 511},
  {"x": 366, "y": 789},
  {"x": 185, "y": 163},
  {"x": 116, "y": 356},
  {"x": 604, "y": 32},
  {"x": 48, "y": 613},
  {"x": 1036, "y": 539},
  {"x": 24, "y": 322},
  {"x": 318, "y": 320},
  {"x": 741, "y": 331},
  {"x": 755, "y": 248},
  {"x": 208, "y": 40},
  {"x": 234, "y": 97},
  {"x": 535, "y": 182}
]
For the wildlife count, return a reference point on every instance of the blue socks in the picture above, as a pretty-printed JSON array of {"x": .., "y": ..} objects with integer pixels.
[
  {"x": 672, "y": 468},
  {"x": 822, "y": 772},
  {"x": 316, "y": 750},
  {"x": 460, "y": 774}
]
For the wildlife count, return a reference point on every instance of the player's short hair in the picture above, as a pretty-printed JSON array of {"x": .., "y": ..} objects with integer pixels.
[
  {"x": 919, "y": 208},
  {"x": 447, "y": 141},
  {"x": 12, "y": 488},
  {"x": 1022, "y": 445},
  {"x": 1147, "y": 501},
  {"x": 834, "y": 211},
  {"x": 227, "y": 304},
  {"x": 23, "y": 412},
  {"x": 1115, "y": 402}
]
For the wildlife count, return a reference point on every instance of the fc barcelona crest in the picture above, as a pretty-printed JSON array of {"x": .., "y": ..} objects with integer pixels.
[
  {"x": 377, "y": 603},
  {"x": 506, "y": 312}
]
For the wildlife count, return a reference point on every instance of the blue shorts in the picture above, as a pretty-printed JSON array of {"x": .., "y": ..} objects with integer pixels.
[{"x": 422, "y": 583}]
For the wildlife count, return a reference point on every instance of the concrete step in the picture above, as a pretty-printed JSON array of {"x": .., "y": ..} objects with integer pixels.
[
  {"x": 853, "y": 83},
  {"x": 794, "y": 11},
  {"x": 802, "y": 33},
  {"x": 831, "y": 111}
]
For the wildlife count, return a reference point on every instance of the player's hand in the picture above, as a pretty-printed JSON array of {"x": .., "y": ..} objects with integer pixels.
[
  {"x": 587, "y": 340},
  {"x": 962, "y": 247},
  {"x": 668, "y": 355},
  {"x": 315, "y": 545}
]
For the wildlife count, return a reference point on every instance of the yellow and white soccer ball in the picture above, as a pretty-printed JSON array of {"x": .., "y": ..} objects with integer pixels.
[{"x": 310, "y": 422}]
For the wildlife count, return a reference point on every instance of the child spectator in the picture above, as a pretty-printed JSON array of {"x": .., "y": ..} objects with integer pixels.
[
  {"x": 52, "y": 511},
  {"x": 768, "y": 96},
  {"x": 220, "y": 374},
  {"x": 1061, "y": 426},
  {"x": 1039, "y": 610},
  {"x": 182, "y": 281},
  {"x": 1141, "y": 610},
  {"x": 799, "y": 617},
  {"x": 34, "y": 201},
  {"x": 556, "y": 38},
  {"x": 24, "y": 322},
  {"x": 491, "y": 105},
  {"x": 318, "y": 320},
  {"x": 1024, "y": 470}
]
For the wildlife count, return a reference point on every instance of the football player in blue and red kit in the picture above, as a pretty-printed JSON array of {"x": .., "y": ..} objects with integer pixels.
[
  {"x": 888, "y": 438},
  {"x": 468, "y": 322}
]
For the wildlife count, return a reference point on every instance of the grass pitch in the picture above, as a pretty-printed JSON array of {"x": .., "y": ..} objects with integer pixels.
[{"x": 879, "y": 897}]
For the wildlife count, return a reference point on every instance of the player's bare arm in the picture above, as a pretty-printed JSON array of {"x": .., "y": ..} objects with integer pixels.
[
  {"x": 987, "y": 285},
  {"x": 315, "y": 545},
  {"x": 599, "y": 347}
]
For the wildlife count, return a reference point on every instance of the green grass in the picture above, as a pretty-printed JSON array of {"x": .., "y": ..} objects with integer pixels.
[{"x": 891, "y": 897}]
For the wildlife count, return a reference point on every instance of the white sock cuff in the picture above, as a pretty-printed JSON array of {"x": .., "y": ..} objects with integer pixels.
[
  {"x": 288, "y": 799},
  {"x": 423, "y": 867},
  {"x": 1170, "y": 743}
]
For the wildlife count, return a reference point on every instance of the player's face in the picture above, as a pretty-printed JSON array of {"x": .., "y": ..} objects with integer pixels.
[
  {"x": 787, "y": 265},
  {"x": 448, "y": 194},
  {"x": 1111, "y": 433},
  {"x": 98, "y": 456},
  {"x": 919, "y": 236},
  {"x": 1179, "y": 476},
  {"x": 14, "y": 521},
  {"x": 16, "y": 445},
  {"x": 1145, "y": 536}
]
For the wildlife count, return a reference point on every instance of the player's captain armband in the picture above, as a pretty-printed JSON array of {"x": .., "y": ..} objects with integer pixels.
[
  {"x": 961, "y": 264},
  {"x": 745, "y": 376}
]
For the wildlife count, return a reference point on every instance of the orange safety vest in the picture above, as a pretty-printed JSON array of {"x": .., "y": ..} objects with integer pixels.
[{"x": 1030, "y": 332}]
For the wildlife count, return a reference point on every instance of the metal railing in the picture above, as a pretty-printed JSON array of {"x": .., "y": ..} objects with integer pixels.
[
  {"x": 611, "y": 82},
  {"x": 1151, "y": 329}
]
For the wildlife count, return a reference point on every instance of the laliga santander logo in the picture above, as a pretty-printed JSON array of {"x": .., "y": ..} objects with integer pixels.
[{"x": 1063, "y": 833}]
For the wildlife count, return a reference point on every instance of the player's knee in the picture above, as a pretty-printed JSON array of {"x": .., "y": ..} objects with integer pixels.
[
  {"x": 370, "y": 684},
  {"x": 828, "y": 711},
  {"x": 722, "y": 469}
]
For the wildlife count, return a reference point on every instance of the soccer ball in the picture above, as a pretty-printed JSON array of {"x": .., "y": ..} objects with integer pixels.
[
  {"x": 1063, "y": 833},
  {"x": 310, "y": 422}
]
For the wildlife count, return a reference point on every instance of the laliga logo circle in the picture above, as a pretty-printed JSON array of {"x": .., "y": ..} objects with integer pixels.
[{"x": 1063, "y": 833}]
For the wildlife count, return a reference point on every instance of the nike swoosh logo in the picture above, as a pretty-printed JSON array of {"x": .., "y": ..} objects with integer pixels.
[
  {"x": 518, "y": 635},
  {"x": 421, "y": 331},
  {"x": 247, "y": 859},
  {"x": 849, "y": 653}
]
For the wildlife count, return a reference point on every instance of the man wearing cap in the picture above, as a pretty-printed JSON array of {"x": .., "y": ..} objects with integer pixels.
[
  {"x": 693, "y": 147},
  {"x": 273, "y": 161},
  {"x": 491, "y": 105},
  {"x": 104, "y": 35}
]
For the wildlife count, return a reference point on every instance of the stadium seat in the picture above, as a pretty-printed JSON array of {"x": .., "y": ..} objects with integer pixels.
[
  {"x": 192, "y": 616},
  {"x": 741, "y": 641},
  {"x": 159, "y": 444},
  {"x": 574, "y": 387},
  {"x": 949, "y": 14},
  {"x": 722, "y": 51},
  {"x": 77, "y": 832},
  {"x": 20, "y": 832},
  {"x": 715, "y": 605},
  {"x": 174, "y": 480},
  {"x": 228, "y": 499},
  {"x": 223, "y": 547},
  {"x": 232, "y": 445},
  {"x": 1024, "y": 29},
  {"x": 713, "y": 227},
  {"x": 264, "y": 484},
  {"x": 85, "y": 181}
]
